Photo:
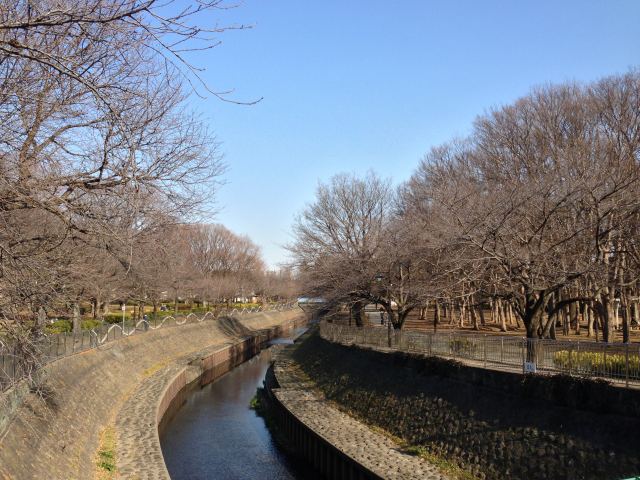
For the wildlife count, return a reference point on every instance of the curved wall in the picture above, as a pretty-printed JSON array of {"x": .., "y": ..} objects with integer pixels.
[{"x": 58, "y": 438}]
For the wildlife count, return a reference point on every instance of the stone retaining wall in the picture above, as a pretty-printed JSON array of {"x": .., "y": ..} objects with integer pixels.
[
  {"x": 334, "y": 443},
  {"x": 58, "y": 439},
  {"x": 497, "y": 427}
]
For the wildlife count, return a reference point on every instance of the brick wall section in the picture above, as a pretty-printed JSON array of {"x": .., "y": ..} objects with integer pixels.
[{"x": 58, "y": 440}]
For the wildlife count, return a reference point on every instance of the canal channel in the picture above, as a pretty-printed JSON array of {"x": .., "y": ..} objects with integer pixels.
[{"x": 211, "y": 433}]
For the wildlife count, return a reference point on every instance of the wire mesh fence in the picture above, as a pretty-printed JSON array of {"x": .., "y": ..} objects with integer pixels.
[
  {"x": 615, "y": 362},
  {"x": 47, "y": 348}
]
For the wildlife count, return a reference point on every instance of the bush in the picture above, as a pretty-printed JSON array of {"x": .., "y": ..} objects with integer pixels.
[
  {"x": 90, "y": 324},
  {"x": 59, "y": 326},
  {"x": 114, "y": 317},
  {"x": 596, "y": 362},
  {"x": 65, "y": 326}
]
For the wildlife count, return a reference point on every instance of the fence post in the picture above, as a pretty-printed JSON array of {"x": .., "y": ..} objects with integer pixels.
[
  {"x": 485, "y": 350},
  {"x": 626, "y": 375},
  {"x": 501, "y": 349},
  {"x": 430, "y": 344},
  {"x": 524, "y": 358},
  {"x": 570, "y": 358}
]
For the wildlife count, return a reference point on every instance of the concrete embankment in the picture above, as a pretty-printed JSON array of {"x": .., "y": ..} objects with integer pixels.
[
  {"x": 336, "y": 444},
  {"x": 124, "y": 386},
  {"x": 494, "y": 425}
]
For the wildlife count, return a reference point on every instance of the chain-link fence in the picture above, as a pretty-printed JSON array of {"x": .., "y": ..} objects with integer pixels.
[
  {"x": 46, "y": 348},
  {"x": 615, "y": 362}
]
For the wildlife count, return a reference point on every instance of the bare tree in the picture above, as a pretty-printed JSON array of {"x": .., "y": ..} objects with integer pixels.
[
  {"x": 340, "y": 238},
  {"x": 97, "y": 148}
]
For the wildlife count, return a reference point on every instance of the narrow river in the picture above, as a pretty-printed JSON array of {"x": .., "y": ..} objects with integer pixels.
[{"x": 215, "y": 435}]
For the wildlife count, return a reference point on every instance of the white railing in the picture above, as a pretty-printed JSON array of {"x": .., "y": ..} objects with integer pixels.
[{"x": 54, "y": 346}]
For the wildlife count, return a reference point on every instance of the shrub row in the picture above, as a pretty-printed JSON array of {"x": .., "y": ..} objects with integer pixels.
[
  {"x": 597, "y": 363},
  {"x": 65, "y": 326}
]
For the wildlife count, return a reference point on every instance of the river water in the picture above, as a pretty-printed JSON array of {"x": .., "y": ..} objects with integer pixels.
[{"x": 215, "y": 435}]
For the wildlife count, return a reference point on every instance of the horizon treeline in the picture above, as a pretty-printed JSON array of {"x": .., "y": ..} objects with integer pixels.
[
  {"x": 106, "y": 174},
  {"x": 534, "y": 215}
]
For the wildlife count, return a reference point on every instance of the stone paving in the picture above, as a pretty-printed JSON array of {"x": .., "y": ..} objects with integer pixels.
[
  {"x": 137, "y": 441},
  {"x": 375, "y": 451},
  {"x": 139, "y": 454}
]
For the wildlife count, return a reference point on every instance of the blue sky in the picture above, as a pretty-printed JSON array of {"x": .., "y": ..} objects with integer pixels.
[{"x": 358, "y": 85}]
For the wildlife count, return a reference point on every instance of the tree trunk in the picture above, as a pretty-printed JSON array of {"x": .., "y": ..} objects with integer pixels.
[
  {"x": 590, "y": 320},
  {"x": 474, "y": 318},
  {"x": 357, "y": 310},
  {"x": 451, "y": 313},
  {"x": 607, "y": 321},
  {"x": 492, "y": 308},
  {"x": 626, "y": 320},
  {"x": 573, "y": 317},
  {"x": 565, "y": 320},
  {"x": 502, "y": 313},
  {"x": 42, "y": 318},
  {"x": 533, "y": 308},
  {"x": 401, "y": 317},
  {"x": 76, "y": 318}
]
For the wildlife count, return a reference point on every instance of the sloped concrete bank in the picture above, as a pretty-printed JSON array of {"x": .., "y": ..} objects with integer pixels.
[
  {"x": 502, "y": 426},
  {"x": 125, "y": 386},
  {"x": 336, "y": 444},
  {"x": 136, "y": 442}
]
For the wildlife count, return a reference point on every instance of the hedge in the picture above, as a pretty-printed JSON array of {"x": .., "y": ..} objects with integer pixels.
[{"x": 597, "y": 362}]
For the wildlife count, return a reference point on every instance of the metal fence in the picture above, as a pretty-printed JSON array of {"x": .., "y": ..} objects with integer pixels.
[
  {"x": 616, "y": 362},
  {"x": 50, "y": 347}
]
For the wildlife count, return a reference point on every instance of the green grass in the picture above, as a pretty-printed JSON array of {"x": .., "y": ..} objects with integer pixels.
[
  {"x": 107, "y": 461},
  {"x": 106, "y": 457},
  {"x": 452, "y": 470}
]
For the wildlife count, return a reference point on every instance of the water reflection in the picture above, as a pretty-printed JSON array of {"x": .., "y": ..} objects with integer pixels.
[{"x": 215, "y": 434}]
